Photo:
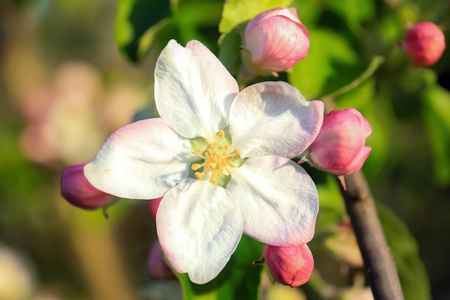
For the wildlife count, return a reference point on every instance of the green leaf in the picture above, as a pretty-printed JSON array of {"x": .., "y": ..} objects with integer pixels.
[
  {"x": 353, "y": 11},
  {"x": 437, "y": 121},
  {"x": 411, "y": 270},
  {"x": 331, "y": 64},
  {"x": 332, "y": 208},
  {"x": 230, "y": 53},
  {"x": 238, "y": 11},
  {"x": 133, "y": 19},
  {"x": 309, "y": 12},
  {"x": 373, "y": 66},
  {"x": 240, "y": 279}
]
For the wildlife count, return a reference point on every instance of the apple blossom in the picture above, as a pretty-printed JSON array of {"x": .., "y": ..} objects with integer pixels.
[
  {"x": 290, "y": 265},
  {"x": 77, "y": 190},
  {"x": 424, "y": 43},
  {"x": 220, "y": 160},
  {"x": 276, "y": 39},
  {"x": 340, "y": 146}
]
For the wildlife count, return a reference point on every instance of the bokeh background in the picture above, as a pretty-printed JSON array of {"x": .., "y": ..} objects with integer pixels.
[{"x": 70, "y": 76}]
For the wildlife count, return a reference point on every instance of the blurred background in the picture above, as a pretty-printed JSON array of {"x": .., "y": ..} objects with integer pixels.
[{"x": 69, "y": 79}]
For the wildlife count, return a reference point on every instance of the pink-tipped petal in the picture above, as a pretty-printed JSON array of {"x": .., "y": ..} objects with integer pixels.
[
  {"x": 199, "y": 227},
  {"x": 142, "y": 160},
  {"x": 273, "y": 118},
  {"x": 291, "y": 266},
  {"x": 193, "y": 90},
  {"x": 278, "y": 200},
  {"x": 77, "y": 190}
]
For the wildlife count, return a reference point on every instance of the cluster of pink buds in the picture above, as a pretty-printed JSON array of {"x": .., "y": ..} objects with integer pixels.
[
  {"x": 290, "y": 266},
  {"x": 157, "y": 266},
  {"x": 424, "y": 43},
  {"x": 77, "y": 190},
  {"x": 340, "y": 146},
  {"x": 276, "y": 40}
]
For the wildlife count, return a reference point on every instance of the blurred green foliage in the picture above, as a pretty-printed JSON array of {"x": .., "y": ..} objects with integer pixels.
[
  {"x": 239, "y": 279},
  {"x": 408, "y": 169}
]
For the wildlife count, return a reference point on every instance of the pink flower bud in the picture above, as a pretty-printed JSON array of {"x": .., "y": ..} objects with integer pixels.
[
  {"x": 77, "y": 190},
  {"x": 276, "y": 39},
  {"x": 290, "y": 265},
  {"x": 424, "y": 43},
  {"x": 153, "y": 206},
  {"x": 340, "y": 146},
  {"x": 157, "y": 266}
]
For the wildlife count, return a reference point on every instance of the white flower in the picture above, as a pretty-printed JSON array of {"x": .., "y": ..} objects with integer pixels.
[{"x": 219, "y": 157}]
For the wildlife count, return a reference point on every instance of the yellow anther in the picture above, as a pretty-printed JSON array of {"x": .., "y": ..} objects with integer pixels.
[
  {"x": 199, "y": 150},
  {"x": 215, "y": 144},
  {"x": 222, "y": 134},
  {"x": 200, "y": 175},
  {"x": 195, "y": 167},
  {"x": 237, "y": 151},
  {"x": 226, "y": 146},
  {"x": 213, "y": 181}
]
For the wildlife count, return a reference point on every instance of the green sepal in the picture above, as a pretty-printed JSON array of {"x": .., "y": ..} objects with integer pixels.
[
  {"x": 227, "y": 136},
  {"x": 198, "y": 143},
  {"x": 236, "y": 161},
  {"x": 222, "y": 180},
  {"x": 192, "y": 172}
]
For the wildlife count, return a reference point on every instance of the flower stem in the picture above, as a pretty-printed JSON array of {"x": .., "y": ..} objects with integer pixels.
[{"x": 378, "y": 261}]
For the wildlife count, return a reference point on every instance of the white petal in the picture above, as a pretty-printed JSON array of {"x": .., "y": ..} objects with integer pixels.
[
  {"x": 199, "y": 227},
  {"x": 279, "y": 201},
  {"x": 273, "y": 118},
  {"x": 193, "y": 90},
  {"x": 142, "y": 160}
]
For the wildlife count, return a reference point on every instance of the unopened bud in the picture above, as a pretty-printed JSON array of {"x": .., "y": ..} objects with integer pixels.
[
  {"x": 77, "y": 190},
  {"x": 340, "y": 145},
  {"x": 290, "y": 265},
  {"x": 157, "y": 266},
  {"x": 424, "y": 43},
  {"x": 276, "y": 40},
  {"x": 153, "y": 206}
]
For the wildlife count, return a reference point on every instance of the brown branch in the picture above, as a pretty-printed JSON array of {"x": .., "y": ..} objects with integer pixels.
[{"x": 378, "y": 261}]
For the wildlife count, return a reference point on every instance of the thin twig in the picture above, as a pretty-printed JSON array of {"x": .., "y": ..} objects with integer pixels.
[{"x": 378, "y": 261}]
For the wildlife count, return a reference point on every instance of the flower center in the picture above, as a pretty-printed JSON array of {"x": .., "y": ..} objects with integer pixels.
[{"x": 216, "y": 157}]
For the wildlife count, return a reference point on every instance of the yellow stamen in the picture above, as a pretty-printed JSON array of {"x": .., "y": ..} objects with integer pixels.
[
  {"x": 216, "y": 157},
  {"x": 200, "y": 175},
  {"x": 195, "y": 167}
]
